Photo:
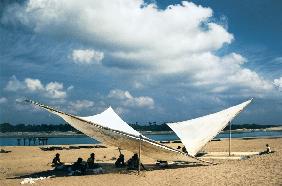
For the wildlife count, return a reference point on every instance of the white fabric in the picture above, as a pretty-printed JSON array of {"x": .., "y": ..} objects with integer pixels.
[
  {"x": 111, "y": 120},
  {"x": 149, "y": 148},
  {"x": 110, "y": 129},
  {"x": 195, "y": 133}
]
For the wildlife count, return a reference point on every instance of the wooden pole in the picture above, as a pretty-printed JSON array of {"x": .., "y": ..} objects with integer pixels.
[
  {"x": 139, "y": 156},
  {"x": 229, "y": 138}
]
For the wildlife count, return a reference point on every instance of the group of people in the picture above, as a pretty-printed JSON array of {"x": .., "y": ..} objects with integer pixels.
[
  {"x": 78, "y": 166},
  {"x": 82, "y": 166},
  {"x": 183, "y": 149},
  {"x": 131, "y": 164}
]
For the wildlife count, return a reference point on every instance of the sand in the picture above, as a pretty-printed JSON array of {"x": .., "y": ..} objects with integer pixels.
[{"x": 25, "y": 162}]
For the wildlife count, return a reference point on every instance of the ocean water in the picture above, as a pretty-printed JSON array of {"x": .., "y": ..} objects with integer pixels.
[{"x": 158, "y": 137}]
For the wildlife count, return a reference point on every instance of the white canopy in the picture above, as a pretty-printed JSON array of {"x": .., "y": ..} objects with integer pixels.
[
  {"x": 110, "y": 129},
  {"x": 111, "y": 120},
  {"x": 195, "y": 133}
]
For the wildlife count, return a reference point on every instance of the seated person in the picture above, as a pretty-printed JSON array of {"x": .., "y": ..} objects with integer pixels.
[
  {"x": 133, "y": 163},
  {"x": 79, "y": 165},
  {"x": 267, "y": 151},
  {"x": 120, "y": 161},
  {"x": 56, "y": 161},
  {"x": 91, "y": 162}
]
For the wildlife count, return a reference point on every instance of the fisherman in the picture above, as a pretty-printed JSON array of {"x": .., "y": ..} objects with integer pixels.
[
  {"x": 57, "y": 162},
  {"x": 120, "y": 161},
  {"x": 91, "y": 162}
]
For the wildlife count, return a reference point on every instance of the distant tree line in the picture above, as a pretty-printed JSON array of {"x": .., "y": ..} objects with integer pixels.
[
  {"x": 7, "y": 127},
  {"x": 151, "y": 127}
]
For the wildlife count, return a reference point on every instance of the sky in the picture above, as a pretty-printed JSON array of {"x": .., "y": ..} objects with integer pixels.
[{"x": 164, "y": 60}]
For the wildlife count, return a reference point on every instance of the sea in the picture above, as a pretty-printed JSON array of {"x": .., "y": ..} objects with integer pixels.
[{"x": 70, "y": 140}]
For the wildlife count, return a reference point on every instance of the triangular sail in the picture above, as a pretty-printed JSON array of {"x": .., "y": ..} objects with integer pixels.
[
  {"x": 100, "y": 128},
  {"x": 110, "y": 119},
  {"x": 195, "y": 133}
]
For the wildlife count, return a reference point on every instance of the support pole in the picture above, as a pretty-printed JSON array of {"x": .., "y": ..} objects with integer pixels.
[
  {"x": 139, "y": 155},
  {"x": 229, "y": 138}
]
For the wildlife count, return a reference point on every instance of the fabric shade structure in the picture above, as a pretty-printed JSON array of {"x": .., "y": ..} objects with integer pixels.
[
  {"x": 111, "y": 120},
  {"x": 196, "y": 133},
  {"x": 108, "y": 128}
]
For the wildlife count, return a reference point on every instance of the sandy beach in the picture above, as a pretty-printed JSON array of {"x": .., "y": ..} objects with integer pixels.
[{"x": 23, "y": 162}]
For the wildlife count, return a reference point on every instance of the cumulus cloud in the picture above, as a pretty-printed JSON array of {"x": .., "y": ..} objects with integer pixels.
[
  {"x": 278, "y": 83},
  {"x": 55, "y": 90},
  {"x": 179, "y": 39},
  {"x": 52, "y": 90},
  {"x": 87, "y": 56},
  {"x": 14, "y": 84},
  {"x": 79, "y": 105},
  {"x": 32, "y": 84},
  {"x": 127, "y": 99}
]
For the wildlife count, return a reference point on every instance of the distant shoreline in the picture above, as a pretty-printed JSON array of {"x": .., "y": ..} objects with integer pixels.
[{"x": 67, "y": 134}]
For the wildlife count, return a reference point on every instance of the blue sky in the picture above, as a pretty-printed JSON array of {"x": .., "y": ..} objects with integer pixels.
[{"x": 151, "y": 61}]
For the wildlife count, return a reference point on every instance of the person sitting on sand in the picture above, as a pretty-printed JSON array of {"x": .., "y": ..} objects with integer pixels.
[
  {"x": 91, "y": 162},
  {"x": 133, "y": 163},
  {"x": 120, "y": 161},
  {"x": 267, "y": 151},
  {"x": 56, "y": 161},
  {"x": 79, "y": 166}
]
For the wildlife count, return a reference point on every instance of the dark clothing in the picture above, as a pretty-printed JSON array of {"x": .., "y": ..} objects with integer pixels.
[
  {"x": 56, "y": 161},
  {"x": 133, "y": 162},
  {"x": 91, "y": 163},
  {"x": 79, "y": 166},
  {"x": 120, "y": 161},
  {"x": 184, "y": 150}
]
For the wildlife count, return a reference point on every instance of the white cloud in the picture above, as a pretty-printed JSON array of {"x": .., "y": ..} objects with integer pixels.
[
  {"x": 278, "y": 83},
  {"x": 127, "y": 99},
  {"x": 3, "y": 100},
  {"x": 224, "y": 73},
  {"x": 14, "y": 84},
  {"x": 87, "y": 56},
  {"x": 55, "y": 90},
  {"x": 52, "y": 90},
  {"x": 119, "y": 94},
  {"x": 180, "y": 39},
  {"x": 79, "y": 105},
  {"x": 33, "y": 84}
]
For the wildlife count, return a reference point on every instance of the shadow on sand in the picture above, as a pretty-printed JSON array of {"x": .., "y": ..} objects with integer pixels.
[{"x": 108, "y": 168}]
